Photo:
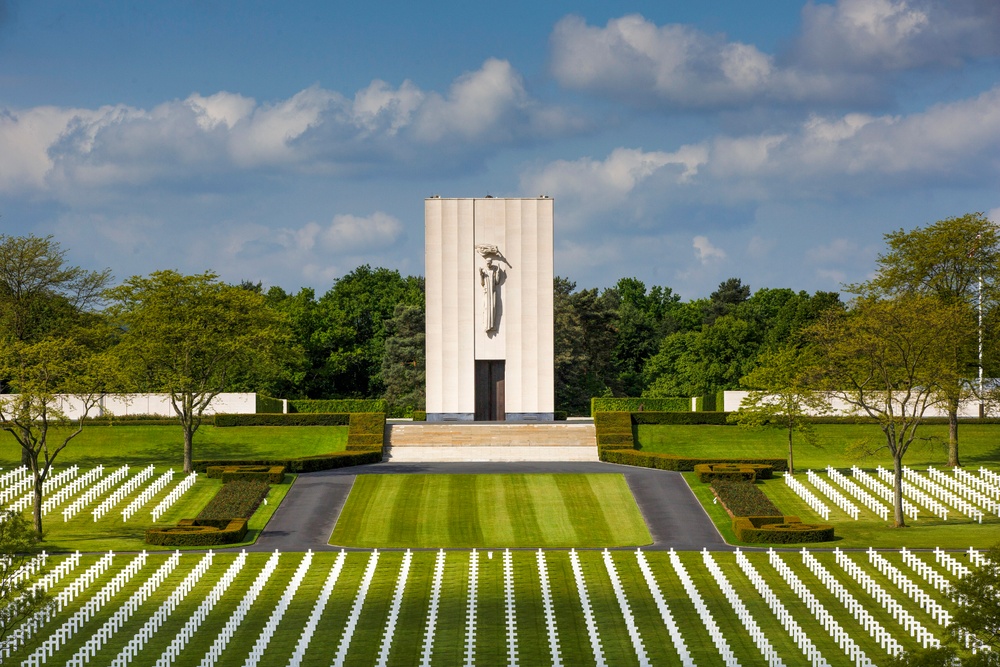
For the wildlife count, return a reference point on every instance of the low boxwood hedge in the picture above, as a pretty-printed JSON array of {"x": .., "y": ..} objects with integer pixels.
[
  {"x": 270, "y": 419},
  {"x": 638, "y": 404},
  {"x": 779, "y": 530},
  {"x": 747, "y": 472},
  {"x": 632, "y": 457},
  {"x": 237, "y": 499},
  {"x": 339, "y": 405},
  {"x": 316, "y": 463},
  {"x": 199, "y": 533},
  {"x": 741, "y": 498},
  {"x": 681, "y": 418},
  {"x": 233, "y": 473}
]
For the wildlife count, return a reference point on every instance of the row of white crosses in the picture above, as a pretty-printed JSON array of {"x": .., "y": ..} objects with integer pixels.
[
  {"x": 470, "y": 610},
  {"x": 166, "y": 609},
  {"x": 124, "y": 613},
  {"x": 889, "y": 603},
  {"x": 588, "y": 611},
  {"x": 13, "y": 476},
  {"x": 938, "y": 492},
  {"x": 83, "y": 615},
  {"x": 824, "y": 617},
  {"x": 751, "y": 625},
  {"x": 264, "y": 638},
  {"x": 397, "y": 602},
  {"x": 839, "y": 499},
  {"x": 510, "y": 616},
  {"x": 950, "y": 563},
  {"x": 665, "y": 615},
  {"x": 788, "y": 622},
  {"x": 883, "y": 491},
  {"x": 982, "y": 484},
  {"x": 728, "y": 657},
  {"x": 990, "y": 476},
  {"x": 21, "y": 634},
  {"x": 92, "y": 493},
  {"x": 147, "y": 494},
  {"x": 937, "y": 508},
  {"x": 240, "y": 613},
  {"x": 317, "y": 611},
  {"x": 121, "y": 492},
  {"x": 71, "y": 489},
  {"x": 25, "y": 571},
  {"x": 20, "y": 480},
  {"x": 805, "y": 494},
  {"x": 174, "y": 495},
  {"x": 956, "y": 485},
  {"x": 550, "y": 614},
  {"x": 626, "y": 610},
  {"x": 925, "y": 571},
  {"x": 912, "y": 590},
  {"x": 359, "y": 603},
  {"x": 977, "y": 558},
  {"x": 48, "y": 486},
  {"x": 858, "y": 493}
]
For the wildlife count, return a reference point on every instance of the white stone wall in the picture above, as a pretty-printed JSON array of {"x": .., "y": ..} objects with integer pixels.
[
  {"x": 154, "y": 405},
  {"x": 522, "y": 230},
  {"x": 732, "y": 401}
]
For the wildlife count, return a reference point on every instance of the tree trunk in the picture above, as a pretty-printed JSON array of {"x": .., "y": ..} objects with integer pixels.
[
  {"x": 953, "y": 461},
  {"x": 188, "y": 448},
  {"x": 897, "y": 487},
  {"x": 25, "y": 454},
  {"x": 36, "y": 507},
  {"x": 791, "y": 463}
]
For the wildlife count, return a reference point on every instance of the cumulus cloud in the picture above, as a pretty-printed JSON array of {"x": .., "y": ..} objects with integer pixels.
[
  {"x": 57, "y": 150},
  {"x": 840, "y": 54},
  {"x": 705, "y": 251}
]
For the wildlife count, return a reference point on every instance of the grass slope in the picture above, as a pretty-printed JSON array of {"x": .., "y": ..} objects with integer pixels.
[
  {"x": 490, "y": 645},
  {"x": 531, "y": 510}
]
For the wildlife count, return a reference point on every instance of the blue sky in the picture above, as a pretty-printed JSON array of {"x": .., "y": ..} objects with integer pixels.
[{"x": 683, "y": 143}]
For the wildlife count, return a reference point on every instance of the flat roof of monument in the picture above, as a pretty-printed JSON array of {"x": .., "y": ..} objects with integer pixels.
[{"x": 487, "y": 197}]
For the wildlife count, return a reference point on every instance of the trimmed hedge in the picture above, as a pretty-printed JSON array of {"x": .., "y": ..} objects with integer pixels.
[
  {"x": 238, "y": 499},
  {"x": 677, "y": 404},
  {"x": 366, "y": 431},
  {"x": 560, "y": 415},
  {"x": 742, "y": 498},
  {"x": 141, "y": 420},
  {"x": 747, "y": 472},
  {"x": 199, "y": 533},
  {"x": 302, "y": 464},
  {"x": 681, "y": 418},
  {"x": 673, "y": 462},
  {"x": 339, "y": 405},
  {"x": 234, "y": 473},
  {"x": 266, "y": 404},
  {"x": 779, "y": 530},
  {"x": 419, "y": 415},
  {"x": 314, "y": 419}
]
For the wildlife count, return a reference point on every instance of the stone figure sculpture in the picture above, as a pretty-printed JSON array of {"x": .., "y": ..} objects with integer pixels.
[{"x": 490, "y": 278}]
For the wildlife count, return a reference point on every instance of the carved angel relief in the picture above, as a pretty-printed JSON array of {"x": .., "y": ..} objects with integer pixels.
[{"x": 491, "y": 277}]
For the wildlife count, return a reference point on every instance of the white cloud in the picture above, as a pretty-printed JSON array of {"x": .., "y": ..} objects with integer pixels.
[
  {"x": 705, "y": 251},
  {"x": 994, "y": 215},
  {"x": 59, "y": 151}
]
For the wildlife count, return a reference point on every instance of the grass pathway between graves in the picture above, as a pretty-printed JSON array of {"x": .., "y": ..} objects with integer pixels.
[{"x": 526, "y": 510}]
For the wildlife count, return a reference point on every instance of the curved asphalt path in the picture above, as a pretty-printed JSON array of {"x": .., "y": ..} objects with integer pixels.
[{"x": 307, "y": 515}]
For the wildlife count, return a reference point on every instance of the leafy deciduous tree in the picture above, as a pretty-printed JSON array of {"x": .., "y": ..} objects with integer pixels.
[
  {"x": 19, "y": 597},
  {"x": 404, "y": 362}
]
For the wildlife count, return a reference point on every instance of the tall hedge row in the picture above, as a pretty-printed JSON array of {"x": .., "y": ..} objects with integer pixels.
[
  {"x": 316, "y": 419},
  {"x": 639, "y": 405},
  {"x": 266, "y": 404},
  {"x": 338, "y": 405}
]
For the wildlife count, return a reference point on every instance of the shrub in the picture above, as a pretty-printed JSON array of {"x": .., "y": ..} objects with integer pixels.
[
  {"x": 312, "y": 419},
  {"x": 741, "y": 498},
  {"x": 198, "y": 533},
  {"x": 140, "y": 420},
  {"x": 266, "y": 404},
  {"x": 366, "y": 431},
  {"x": 673, "y": 462},
  {"x": 747, "y": 472},
  {"x": 419, "y": 415},
  {"x": 560, "y": 415},
  {"x": 680, "y": 418},
  {"x": 639, "y": 404},
  {"x": 237, "y": 499},
  {"x": 779, "y": 530},
  {"x": 302, "y": 464},
  {"x": 233, "y": 473},
  {"x": 339, "y": 405}
]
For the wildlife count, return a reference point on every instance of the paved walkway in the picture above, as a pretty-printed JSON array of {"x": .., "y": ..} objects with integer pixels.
[{"x": 309, "y": 512}]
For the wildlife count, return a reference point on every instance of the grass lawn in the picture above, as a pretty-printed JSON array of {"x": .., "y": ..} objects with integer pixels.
[
  {"x": 979, "y": 444},
  {"x": 528, "y": 510},
  {"x": 164, "y": 445}
]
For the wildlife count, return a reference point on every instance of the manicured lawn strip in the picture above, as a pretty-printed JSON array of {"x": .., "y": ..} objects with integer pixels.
[
  {"x": 615, "y": 640},
  {"x": 979, "y": 444},
  {"x": 655, "y": 636},
  {"x": 490, "y": 511},
  {"x": 375, "y": 612},
  {"x": 491, "y": 628},
  {"x": 573, "y": 636},
  {"x": 532, "y": 634},
  {"x": 330, "y": 628},
  {"x": 142, "y": 445},
  {"x": 449, "y": 637},
  {"x": 408, "y": 642}
]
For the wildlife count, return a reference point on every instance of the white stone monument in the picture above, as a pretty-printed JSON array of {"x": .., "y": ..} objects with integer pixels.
[{"x": 489, "y": 309}]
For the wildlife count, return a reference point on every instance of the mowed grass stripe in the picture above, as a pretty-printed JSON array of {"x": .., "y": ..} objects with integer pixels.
[{"x": 490, "y": 511}]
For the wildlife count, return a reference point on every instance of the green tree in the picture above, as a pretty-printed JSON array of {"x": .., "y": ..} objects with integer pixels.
[
  {"x": 19, "y": 597},
  {"x": 781, "y": 397},
  {"x": 642, "y": 318},
  {"x": 51, "y": 379},
  {"x": 190, "y": 336},
  {"x": 404, "y": 362},
  {"x": 731, "y": 293},
  {"x": 884, "y": 359},
  {"x": 584, "y": 340},
  {"x": 956, "y": 260}
]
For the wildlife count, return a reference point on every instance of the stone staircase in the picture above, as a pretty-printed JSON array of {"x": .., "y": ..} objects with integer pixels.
[{"x": 490, "y": 441}]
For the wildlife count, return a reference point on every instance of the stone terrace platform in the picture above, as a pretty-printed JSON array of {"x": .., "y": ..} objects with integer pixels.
[{"x": 490, "y": 441}]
